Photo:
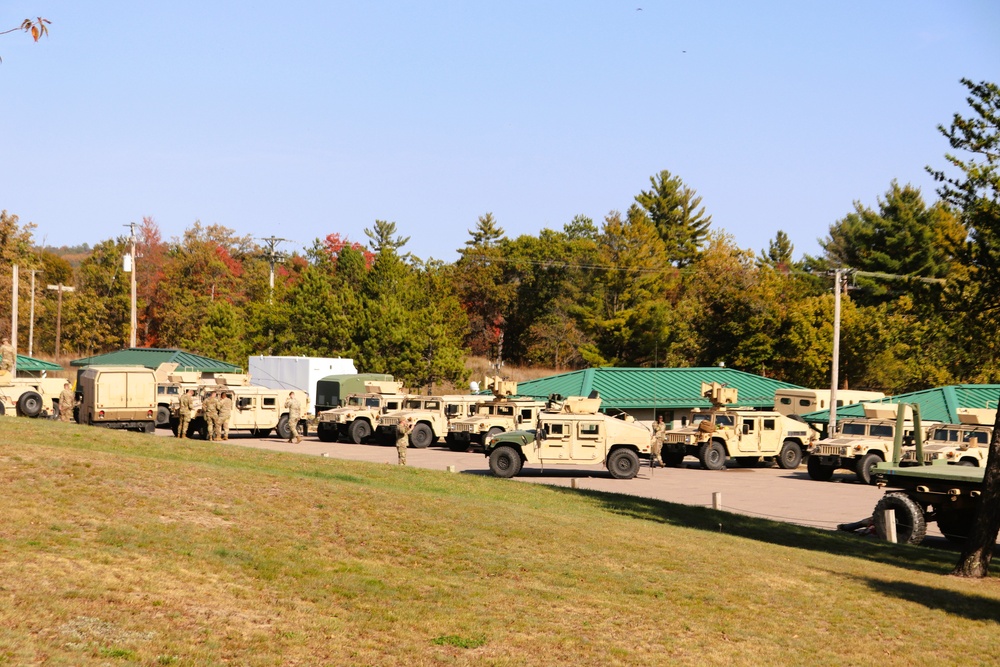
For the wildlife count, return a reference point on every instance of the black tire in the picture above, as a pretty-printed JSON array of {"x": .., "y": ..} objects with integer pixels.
[
  {"x": 623, "y": 464},
  {"x": 748, "y": 461},
  {"x": 149, "y": 427},
  {"x": 456, "y": 445},
  {"x": 968, "y": 463},
  {"x": 29, "y": 404},
  {"x": 359, "y": 431},
  {"x": 2, "y": 410},
  {"x": 911, "y": 525},
  {"x": 955, "y": 525},
  {"x": 326, "y": 434},
  {"x": 505, "y": 461},
  {"x": 712, "y": 455},
  {"x": 790, "y": 455},
  {"x": 492, "y": 433},
  {"x": 863, "y": 468},
  {"x": 283, "y": 429},
  {"x": 175, "y": 425},
  {"x": 818, "y": 471},
  {"x": 162, "y": 416},
  {"x": 421, "y": 436},
  {"x": 197, "y": 428},
  {"x": 673, "y": 459}
]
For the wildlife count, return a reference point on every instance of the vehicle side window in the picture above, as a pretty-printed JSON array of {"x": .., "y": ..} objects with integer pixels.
[
  {"x": 881, "y": 431},
  {"x": 978, "y": 437},
  {"x": 590, "y": 430},
  {"x": 804, "y": 402},
  {"x": 553, "y": 428},
  {"x": 526, "y": 414},
  {"x": 269, "y": 402},
  {"x": 748, "y": 425},
  {"x": 786, "y": 401},
  {"x": 768, "y": 425}
]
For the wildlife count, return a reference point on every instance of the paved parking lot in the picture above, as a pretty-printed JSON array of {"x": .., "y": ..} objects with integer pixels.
[{"x": 783, "y": 495}]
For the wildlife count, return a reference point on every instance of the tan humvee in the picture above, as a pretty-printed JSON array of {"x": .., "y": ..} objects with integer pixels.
[
  {"x": 118, "y": 397},
  {"x": 966, "y": 443},
  {"x": 490, "y": 418},
  {"x": 860, "y": 444},
  {"x": 748, "y": 436},
  {"x": 429, "y": 416},
  {"x": 171, "y": 383},
  {"x": 29, "y": 397},
  {"x": 572, "y": 431},
  {"x": 358, "y": 418},
  {"x": 258, "y": 410}
]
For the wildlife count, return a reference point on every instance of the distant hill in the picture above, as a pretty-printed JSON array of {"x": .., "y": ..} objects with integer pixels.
[{"x": 73, "y": 254}]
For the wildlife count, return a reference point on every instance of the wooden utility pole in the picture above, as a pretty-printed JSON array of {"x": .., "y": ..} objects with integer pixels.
[
  {"x": 60, "y": 288},
  {"x": 13, "y": 316},
  {"x": 31, "y": 316},
  {"x": 130, "y": 267}
]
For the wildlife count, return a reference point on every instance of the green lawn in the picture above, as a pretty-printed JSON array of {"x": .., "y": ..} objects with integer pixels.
[{"x": 121, "y": 548}]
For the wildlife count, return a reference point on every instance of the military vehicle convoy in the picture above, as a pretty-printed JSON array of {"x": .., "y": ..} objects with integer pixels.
[
  {"x": 860, "y": 444},
  {"x": 171, "y": 383},
  {"x": 964, "y": 444},
  {"x": 749, "y": 436},
  {"x": 572, "y": 431},
  {"x": 429, "y": 416},
  {"x": 122, "y": 397},
  {"x": 490, "y": 418},
  {"x": 361, "y": 413},
  {"x": 29, "y": 397},
  {"x": 929, "y": 491}
]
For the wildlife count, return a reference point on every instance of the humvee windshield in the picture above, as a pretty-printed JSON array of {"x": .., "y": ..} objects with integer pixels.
[
  {"x": 852, "y": 428},
  {"x": 958, "y": 435},
  {"x": 354, "y": 401},
  {"x": 505, "y": 410},
  {"x": 720, "y": 419},
  {"x": 881, "y": 431},
  {"x": 413, "y": 404},
  {"x": 484, "y": 409},
  {"x": 373, "y": 402}
]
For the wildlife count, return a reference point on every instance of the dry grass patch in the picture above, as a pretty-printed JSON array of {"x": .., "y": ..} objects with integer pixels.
[{"x": 122, "y": 548}]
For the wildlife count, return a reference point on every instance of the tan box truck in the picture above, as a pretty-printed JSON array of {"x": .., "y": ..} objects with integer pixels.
[{"x": 118, "y": 397}]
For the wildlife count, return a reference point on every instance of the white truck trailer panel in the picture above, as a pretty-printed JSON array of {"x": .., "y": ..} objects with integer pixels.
[{"x": 300, "y": 373}]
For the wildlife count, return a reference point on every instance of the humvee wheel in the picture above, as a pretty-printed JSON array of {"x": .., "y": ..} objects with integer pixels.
[
  {"x": 911, "y": 526},
  {"x": 955, "y": 525},
  {"x": 162, "y": 415},
  {"x": 175, "y": 425},
  {"x": 968, "y": 462},
  {"x": 283, "y": 429},
  {"x": 790, "y": 455},
  {"x": 29, "y": 404},
  {"x": 712, "y": 456},
  {"x": 421, "y": 436},
  {"x": 505, "y": 462},
  {"x": 863, "y": 468},
  {"x": 359, "y": 431},
  {"x": 149, "y": 427},
  {"x": 456, "y": 445},
  {"x": 818, "y": 471},
  {"x": 326, "y": 435},
  {"x": 1, "y": 410},
  {"x": 492, "y": 433},
  {"x": 673, "y": 459},
  {"x": 623, "y": 464}
]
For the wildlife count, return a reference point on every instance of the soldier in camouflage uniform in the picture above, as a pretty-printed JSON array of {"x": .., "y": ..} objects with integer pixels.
[
  {"x": 184, "y": 410},
  {"x": 659, "y": 434},
  {"x": 225, "y": 409},
  {"x": 7, "y": 356},
  {"x": 210, "y": 410},
  {"x": 403, "y": 438},
  {"x": 294, "y": 415},
  {"x": 66, "y": 401}
]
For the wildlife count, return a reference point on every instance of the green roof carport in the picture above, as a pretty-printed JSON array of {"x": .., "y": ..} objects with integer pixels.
[
  {"x": 152, "y": 357},
  {"x": 939, "y": 404},
  {"x": 661, "y": 388},
  {"x": 32, "y": 365}
]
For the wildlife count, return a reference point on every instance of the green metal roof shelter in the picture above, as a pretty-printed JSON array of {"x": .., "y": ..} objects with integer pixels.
[
  {"x": 32, "y": 365},
  {"x": 152, "y": 357},
  {"x": 939, "y": 404},
  {"x": 660, "y": 388}
]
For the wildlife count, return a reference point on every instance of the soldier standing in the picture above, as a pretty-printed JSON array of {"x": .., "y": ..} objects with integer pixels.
[
  {"x": 659, "y": 433},
  {"x": 403, "y": 439},
  {"x": 225, "y": 409},
  {"x": 184, "y": 410},
  {"x": 294, "y": 408},
  {"x": 210, "y": 410},
  {"x": 66, "y": 400},
  {"x": 7, "y": 356}
]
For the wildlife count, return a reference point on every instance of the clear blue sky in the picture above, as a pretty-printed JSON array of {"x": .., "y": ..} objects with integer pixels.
[{"x": 302, "y": 118}]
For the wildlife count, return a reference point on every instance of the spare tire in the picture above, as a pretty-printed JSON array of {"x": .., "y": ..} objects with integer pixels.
[{"x": 29, "y": 404}]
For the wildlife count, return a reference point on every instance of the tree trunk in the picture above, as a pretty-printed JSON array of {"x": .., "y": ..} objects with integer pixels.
[{"x": 978, "y": 550}]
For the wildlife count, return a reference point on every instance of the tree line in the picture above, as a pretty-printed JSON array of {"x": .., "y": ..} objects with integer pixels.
[{"x": 654, "y": 284}]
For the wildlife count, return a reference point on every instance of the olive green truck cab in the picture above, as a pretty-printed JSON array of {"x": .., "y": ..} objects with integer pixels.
[
  {"x": 748, "y": 436},
  {"x": 572, "y": 431},
  {"x": 122, "y": 397},
  {"x": 358, "y": 418}
]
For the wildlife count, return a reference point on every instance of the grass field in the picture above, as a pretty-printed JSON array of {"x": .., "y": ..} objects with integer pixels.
[{"x": 127, "y": 549}]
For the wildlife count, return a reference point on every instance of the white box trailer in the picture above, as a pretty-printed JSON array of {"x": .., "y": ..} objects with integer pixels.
[{"x": 300, "y": 373}]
